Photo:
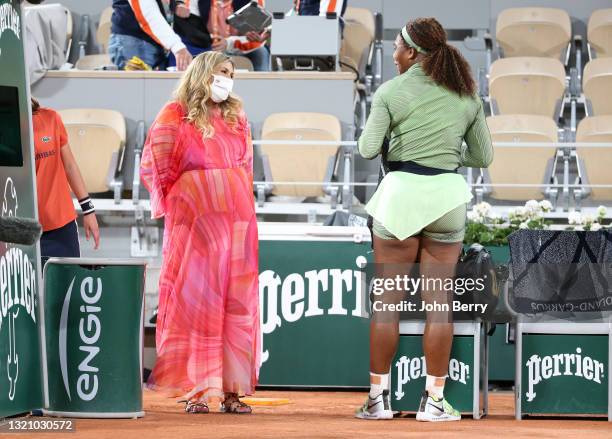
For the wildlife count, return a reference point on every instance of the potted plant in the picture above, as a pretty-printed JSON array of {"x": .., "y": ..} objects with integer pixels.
[{"x": 491, "y": 230}]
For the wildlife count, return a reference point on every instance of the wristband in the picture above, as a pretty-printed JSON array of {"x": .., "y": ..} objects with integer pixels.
[{"x": 87, "y": 206}]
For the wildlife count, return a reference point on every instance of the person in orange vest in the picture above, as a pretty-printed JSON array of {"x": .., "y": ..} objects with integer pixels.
[
  {"x": 320, "y": 7},
  {"x": 139, "y": 28},
  {"x": 57, "y": 174}
]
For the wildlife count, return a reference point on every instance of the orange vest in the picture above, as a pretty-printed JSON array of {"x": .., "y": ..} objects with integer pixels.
[{"x": 55, "y": 208}]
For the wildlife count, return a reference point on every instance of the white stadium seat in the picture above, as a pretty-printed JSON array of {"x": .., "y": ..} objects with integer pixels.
[
  {"x": 595, "y": 164},
  {"x": 509, "y": 164},
  {"x": 97, "y": 139},
  {"x": 104, "y": 28},
  {"x": 597, "y": 84},
  {"x": 527, "y": 85},
  {"x": 534, "y": 32},
  {"x": 300, "y": 163},
  {"x": 600, "y": 32}
]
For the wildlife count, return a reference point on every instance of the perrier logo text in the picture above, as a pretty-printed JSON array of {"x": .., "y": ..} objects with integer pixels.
[
  {"x": 549, "y": 366},
  {"x": 9, "y": 20},
  {"x": 301, "y": 295},
  {"x": 415, "y": 368}
]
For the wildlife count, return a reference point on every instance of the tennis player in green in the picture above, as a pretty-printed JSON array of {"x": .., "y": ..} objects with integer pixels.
[{"x": 419, "y": 209}]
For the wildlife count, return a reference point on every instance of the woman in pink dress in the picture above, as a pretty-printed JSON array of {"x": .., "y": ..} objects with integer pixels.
[{"x": 197, "y": 165}]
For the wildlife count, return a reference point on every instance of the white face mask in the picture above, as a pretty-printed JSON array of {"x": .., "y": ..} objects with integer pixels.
[{"x": 220, "y": 88}]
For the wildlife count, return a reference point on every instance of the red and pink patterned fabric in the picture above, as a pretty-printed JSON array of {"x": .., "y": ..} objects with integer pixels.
[{"x": 208, "y": 339}]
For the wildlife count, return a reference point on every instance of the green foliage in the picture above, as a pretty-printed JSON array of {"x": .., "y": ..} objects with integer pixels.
[{"x": 487, "y": 234}]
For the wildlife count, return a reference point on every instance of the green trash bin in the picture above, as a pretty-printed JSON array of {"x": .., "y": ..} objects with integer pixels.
[{"x": 93, "y": 320}]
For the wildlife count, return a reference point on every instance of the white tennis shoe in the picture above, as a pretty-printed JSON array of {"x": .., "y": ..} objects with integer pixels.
[
  {"x": 376, "y": 408},
  {"x": 432, "y": 409}
]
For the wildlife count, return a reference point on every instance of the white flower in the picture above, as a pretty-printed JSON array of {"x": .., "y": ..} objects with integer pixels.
[
  {"x": 523, "y": 226},
  {"x": 595, "y": 227},
  {"x": 520, "y": 212},
  {"x": 588, "y": 219},
  {"x": 602, "y": 211},
  {"x": 475, "y": 217},
  {"x": 532, "y": 206},
  {"x": 574, "y": 218},
  {"x": 546, "y": 205},
  {"x": 482, "y": 209},
  {"x": 494, "y": 216}
]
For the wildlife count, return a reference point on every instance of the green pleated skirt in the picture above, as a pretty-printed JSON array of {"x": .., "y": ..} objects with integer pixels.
[{"x": 405, "y": 203}]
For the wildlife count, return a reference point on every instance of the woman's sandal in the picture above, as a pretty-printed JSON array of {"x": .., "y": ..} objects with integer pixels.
[
  {"x": 234, "y": 405},
  {"x": 195, "y": 407}
]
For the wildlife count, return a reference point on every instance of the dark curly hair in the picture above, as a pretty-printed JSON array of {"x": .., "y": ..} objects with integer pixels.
[{"x": 443, "y": 62}]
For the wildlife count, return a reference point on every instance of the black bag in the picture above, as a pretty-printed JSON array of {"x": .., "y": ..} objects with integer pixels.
[{"x": 476, "y": 263}]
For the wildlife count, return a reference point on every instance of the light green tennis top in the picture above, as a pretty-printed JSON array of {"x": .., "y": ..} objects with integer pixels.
[{"x": 426, "y": 123}]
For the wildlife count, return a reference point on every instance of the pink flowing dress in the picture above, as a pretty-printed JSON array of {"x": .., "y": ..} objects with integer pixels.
[{"x": 208, "y": 336}]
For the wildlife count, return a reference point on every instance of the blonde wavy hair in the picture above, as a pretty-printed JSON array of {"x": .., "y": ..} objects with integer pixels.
[{"x": 194, "y": 92}]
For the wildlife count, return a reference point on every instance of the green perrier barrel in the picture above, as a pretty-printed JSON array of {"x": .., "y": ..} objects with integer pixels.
[{"x": 93, "y": 311}]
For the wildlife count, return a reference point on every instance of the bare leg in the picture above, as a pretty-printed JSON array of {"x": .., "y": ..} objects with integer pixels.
[
  {"x": 438, "y": 260},
  {"x": 393, "y": 257}
]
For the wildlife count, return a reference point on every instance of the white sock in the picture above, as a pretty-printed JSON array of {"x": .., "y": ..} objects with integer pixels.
[
  {"x": 434, "y": 388},
  {"x": 377, "y": 389}
]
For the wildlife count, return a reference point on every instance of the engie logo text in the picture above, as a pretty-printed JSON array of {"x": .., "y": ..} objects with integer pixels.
[{"x": 88, "y": 294}]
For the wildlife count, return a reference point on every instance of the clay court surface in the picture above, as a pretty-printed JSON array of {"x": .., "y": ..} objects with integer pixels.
[{"x": 322, "y": 415}]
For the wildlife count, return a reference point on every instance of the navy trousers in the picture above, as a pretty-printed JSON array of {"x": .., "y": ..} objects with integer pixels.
[{"x": 60, "y": 243}]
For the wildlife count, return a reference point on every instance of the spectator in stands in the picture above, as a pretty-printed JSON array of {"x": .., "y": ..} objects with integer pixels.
[
  {"x": 197, "y": 164},
  {"x": 320, "y": 7},
  {"x": 419, "y": 208},
  {"x": 202, "y": 26},
  {"x": 56, "y": 174},
  {"x": 139, "y": 28}
]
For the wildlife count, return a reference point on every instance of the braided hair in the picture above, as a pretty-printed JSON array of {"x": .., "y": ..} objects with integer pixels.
[{"x": 442, "y": 62}]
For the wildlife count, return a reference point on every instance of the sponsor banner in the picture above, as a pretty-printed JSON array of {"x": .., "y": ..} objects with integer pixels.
[
  {"x": 409, "y": 370},
  {"x": 93, "y": 331},
  {"x": 563, "y": 374},
  {"x": 315, "y": 324},
  {"x": 20, "y": 386}
]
